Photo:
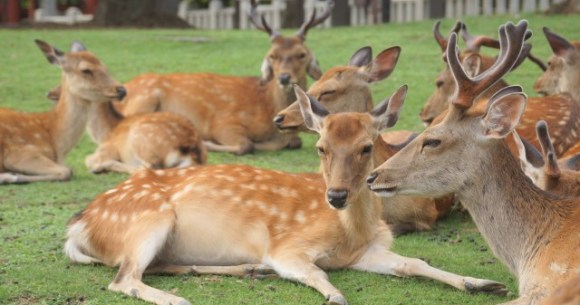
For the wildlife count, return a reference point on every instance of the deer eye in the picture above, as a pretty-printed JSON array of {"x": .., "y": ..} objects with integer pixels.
[
  {"x": 320, "y": 151},
  {"x": 87, "y": 72},
  {"x": 439, "y": 83},
  {"x": 274, "y": 57},
  {"x": 431, "y": 143},
  {"x": 326, "y": 93},
  {"x": 301, "y": 56},
  {"x": 367, "y": 149}
]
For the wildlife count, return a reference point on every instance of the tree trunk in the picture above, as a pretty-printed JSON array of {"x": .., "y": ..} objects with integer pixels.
[{"x": 136, "y": 13}]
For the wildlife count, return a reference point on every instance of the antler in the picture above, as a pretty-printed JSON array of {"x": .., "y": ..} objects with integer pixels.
[
  {"x": 474, "y": 43},
  {"x": 260, "y": 22},
  {"x": 441, "y": 40},
  {"x": 314, "y": 21},
  {"x": 512, "y": 38},
  {"x": 550, "y": 160}
]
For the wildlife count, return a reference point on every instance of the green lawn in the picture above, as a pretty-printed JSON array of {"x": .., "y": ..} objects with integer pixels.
[{"x": 33, "y": 269}]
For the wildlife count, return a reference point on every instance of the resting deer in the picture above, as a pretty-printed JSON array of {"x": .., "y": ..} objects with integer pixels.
[
  {"x": 534, "y": 233},
  {"x": 33, "y": 146},
  {"x": 567, "y": 294},
  {"x": 152, "y": 140},
  {"x": 544, "y": 169},
  {"x": 347, "y": 89},
  {"x": 563, "y": 112},
  {"x": 563, "y": 73},
  {"x": 233, "y": 113},
  {"x": 240, "y": 220}
]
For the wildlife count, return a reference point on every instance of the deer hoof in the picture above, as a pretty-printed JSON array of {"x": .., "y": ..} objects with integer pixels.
[
  {"x": 485, "y": 286},
  {"x": 336, "y": 300}
]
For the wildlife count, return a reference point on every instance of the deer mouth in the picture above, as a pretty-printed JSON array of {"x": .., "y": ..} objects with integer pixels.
[{"x": 384, "y": 191}]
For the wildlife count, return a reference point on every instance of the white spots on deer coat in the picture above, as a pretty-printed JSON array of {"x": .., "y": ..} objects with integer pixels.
[
  {"x": 300, "y": 218},
  {"x": 94, "y": 211},
  {"x": 165, "y": 206},
  {"x": 313, "y": 205},
  {"x": 112, "y": 191},
  {"x": 141, "y": 194},
  {"x": 114, "y": 217},
  {"x": 557, "y": 268},
  {"x": 105, "y": 215}
]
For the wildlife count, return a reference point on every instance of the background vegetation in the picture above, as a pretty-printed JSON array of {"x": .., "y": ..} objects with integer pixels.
[{"x": 33, "y": 269}]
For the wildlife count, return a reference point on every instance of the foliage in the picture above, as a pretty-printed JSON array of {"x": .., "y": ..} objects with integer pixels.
[{"x": 33, "y": 217}]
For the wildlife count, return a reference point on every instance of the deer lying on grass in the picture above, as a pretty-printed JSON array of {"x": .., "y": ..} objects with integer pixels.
[
  {"x": 33, "y": 146},
  {"x": 534, "y": 233},
  {"x": 152, "y": 140},
  {"x": 567, "y": 294},
  {"x": 233, "y": 113},
  {"x": 240, "y": 220},
  {"x": 346, "y": 89},
  {"x": 563, "y": 73},
  {"x": 563, "y": 112},
  {"x": 544, "y": 169}
]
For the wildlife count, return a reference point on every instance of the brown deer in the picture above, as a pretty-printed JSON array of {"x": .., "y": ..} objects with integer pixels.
[
  {"x": 232, "y": 113},
  {"x": 240, "y": 220},
  {"x": 346, "y": 89},
  {"x": 563, "y": 113},
  {"x": 534, "y": 233},
  {"x": 33, "y": 146},
  {"x": 567, "y": 294},
  {"x": 544, "y": 168},
  {"x": 563, "y": 73},
  {"x": 151, "y": 140}
]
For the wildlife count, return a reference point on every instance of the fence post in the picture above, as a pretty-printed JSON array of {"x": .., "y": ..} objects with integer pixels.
[
  {"x": 514, "y": 7},
  {"x": 500, "y": 7}
]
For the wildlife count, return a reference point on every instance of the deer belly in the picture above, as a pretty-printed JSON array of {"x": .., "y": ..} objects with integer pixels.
[{"x": 206, "y": 235}]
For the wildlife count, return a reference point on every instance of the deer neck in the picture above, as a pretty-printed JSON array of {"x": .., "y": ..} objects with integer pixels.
[
  {"x": 283, "y": 96},
  {"x": 102, "y": 121},
  {"x": 514, "y": 216},
  {"x": 383, "y": 151}
]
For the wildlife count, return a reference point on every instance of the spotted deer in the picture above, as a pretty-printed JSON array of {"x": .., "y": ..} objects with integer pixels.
[
  {"x": 545, "y": 170},
  {"x": 567, "y": 294},
  {"x": 563, "y": 112},
  {"x": 151, "y": 140},
  {"x": 241, "y": 220},
  {"x": 33, "y": 146},
  {"x": 232, "y": 113},
  {"x": 563, "y": 72},
  {"x": 346, "y": 89},
  {"x": 534, "y": 233}
]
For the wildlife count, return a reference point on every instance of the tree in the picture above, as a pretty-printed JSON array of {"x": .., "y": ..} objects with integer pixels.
[{"x": 138, "y": 13}]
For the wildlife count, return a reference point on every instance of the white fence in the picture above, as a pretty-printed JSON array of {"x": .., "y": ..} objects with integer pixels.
[{"x": 459, "y": 8}]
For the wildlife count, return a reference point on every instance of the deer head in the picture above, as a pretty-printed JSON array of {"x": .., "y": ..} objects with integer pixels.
[
  {"x": 563, "y": 72},
  {"x": 346, "y": 142},
  {"x": 83, "y": 74},
  {"x": 289, "y": 59},
  {"x": 447, "y": 156},
  {"x": 344, "y": 88}
]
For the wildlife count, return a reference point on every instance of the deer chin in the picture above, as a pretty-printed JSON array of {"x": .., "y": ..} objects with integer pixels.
[
  {"x": 291, "y": 128},
  {"x": 384, "y": 190}
]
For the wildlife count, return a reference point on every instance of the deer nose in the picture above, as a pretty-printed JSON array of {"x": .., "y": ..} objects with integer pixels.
[
  {"x": 121, "y": 92},
  {"x": 284, "y": 79},
  {"x": 371, "y": 178},
  {"x": 278, "y": 120},
  {"x": 337, "y": 198}
]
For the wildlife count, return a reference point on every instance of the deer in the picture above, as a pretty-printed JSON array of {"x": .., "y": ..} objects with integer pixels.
[
  {"x": 534, "y": 233},
  {"x": 232, "y": 113},
  {"x": 563, "y": 113},
  {"x": 244, "y": 221},
  {"x": 33, "y": 146},
  {"x": 151, "y": 140},
  {"x": 347, "y": 89},
  {"x": 567, "y": 294},
  {"x": 562, "y": 74},
  {"x": 544, "y": 168}
]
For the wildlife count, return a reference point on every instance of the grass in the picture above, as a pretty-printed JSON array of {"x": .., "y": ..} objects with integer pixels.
[{"x": 33, "y": 269}]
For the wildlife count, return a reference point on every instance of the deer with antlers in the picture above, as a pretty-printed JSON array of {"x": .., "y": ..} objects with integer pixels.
[
  {"x": 240, "y": 220},
  {"x": 563, "y": 113},
  {"x": 234, "y": 114},
  {"x": 545, "y": 170},
  {"x": 151, "y": 140},
  {"x": 33, "y": 146},
  {"x": 534, "y": 233},
  {"x": 347, "y": 89}
]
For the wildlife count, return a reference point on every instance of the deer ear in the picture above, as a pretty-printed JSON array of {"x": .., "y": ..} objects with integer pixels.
[
  {"x": 362, "y": 57},
  {"x": 312, "y": 111},
  {"x": 314, "y": 68},
  {"x": 472, "y": 64},
  {"x": 560, "y": 46},
  {"x": 386, "y": 114},
  {"x": 52, "y": 54},
  {"x": 54, "y": 94},
  {"x": 267, "y": 73},
  {"x": 384, "y": 64},
  {"x": 504, "y": 112}
]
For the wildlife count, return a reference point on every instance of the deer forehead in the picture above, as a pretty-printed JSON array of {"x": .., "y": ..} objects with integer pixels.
[
  {"x": 348, "y": 128},
  {"x": 342, "y": 74},
  {"x": 287, "y": 46}
]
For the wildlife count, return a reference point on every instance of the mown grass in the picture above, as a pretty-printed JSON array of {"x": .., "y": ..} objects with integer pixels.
[{"x": 33, "y": 269}]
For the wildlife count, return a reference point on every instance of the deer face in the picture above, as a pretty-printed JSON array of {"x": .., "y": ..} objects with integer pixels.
[
  {"x": 84, "y": 75},
  {"x": 439, "y": 99}
]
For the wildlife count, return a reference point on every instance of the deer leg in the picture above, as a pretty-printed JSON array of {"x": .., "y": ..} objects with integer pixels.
[
  {"x": 379, "y": 259},
  {"x": 256, "y": 271},
  {"x": 31, "y": 166},
  {"x": 280, "y": 141},
  {"x": 232, "y": 140},
  {"x": 145, "y": 242},
  {"x": 301, "y": 269}
]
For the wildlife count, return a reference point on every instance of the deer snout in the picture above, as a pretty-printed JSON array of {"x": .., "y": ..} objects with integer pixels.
[
  {"x": 121, "y": 92},
  {"x": 278, "y": 120},
  {"x": 284, "y": 79},
  {"x": 371, "y": 178},
  {"x": 337, "y": 197}
]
